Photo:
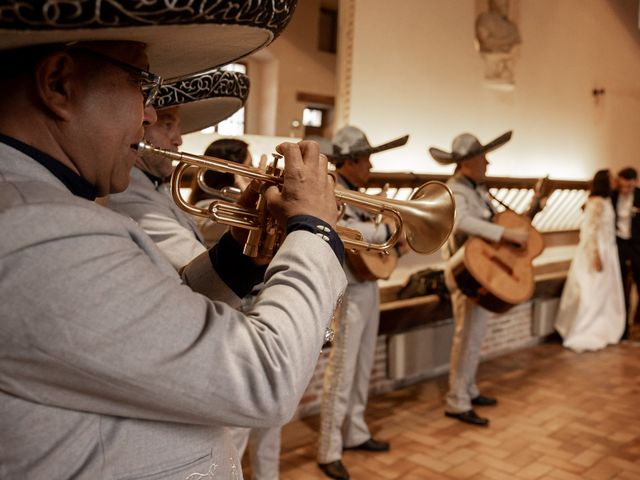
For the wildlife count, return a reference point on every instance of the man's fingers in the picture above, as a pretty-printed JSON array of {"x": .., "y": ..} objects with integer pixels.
[
  {"x": 272, "y": 194},
  {"x": 309, "y": 149},
  {"x": 324, "y": 164},
  {"x": 292, "y": 156},
  {"x": 304, "y": 155},
  {"x": 249, "y": 195},
  {"x": 312, "y": 157},
  {"x": 263, "y": 161}
]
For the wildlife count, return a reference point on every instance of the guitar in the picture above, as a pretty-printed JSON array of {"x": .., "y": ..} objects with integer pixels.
[
  {"x": 370, "y": 265},
  {"x": 367, "y": 265},
  {"x": 498, "y": 276}
]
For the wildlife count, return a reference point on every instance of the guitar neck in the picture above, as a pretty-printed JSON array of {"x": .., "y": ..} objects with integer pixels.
[
  {"x": 533, "y": 209},
  {"x": 538, "y": 196}
]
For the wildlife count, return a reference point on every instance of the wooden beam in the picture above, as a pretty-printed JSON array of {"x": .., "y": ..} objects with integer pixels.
[{"x": 314, "y": 98}]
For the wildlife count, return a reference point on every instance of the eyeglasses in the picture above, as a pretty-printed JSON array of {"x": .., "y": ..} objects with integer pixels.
[{"x": 149, "y": 82}]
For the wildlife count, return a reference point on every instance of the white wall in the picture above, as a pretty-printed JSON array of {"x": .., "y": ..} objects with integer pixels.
[
  {"x": 415, "y": 70},
  {"x": 291, "y": 64}
]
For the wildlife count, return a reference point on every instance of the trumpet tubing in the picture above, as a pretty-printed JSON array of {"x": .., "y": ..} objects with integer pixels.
[
  {"x": 426, "y": 218},
  {"x": 225, "y": 193}
]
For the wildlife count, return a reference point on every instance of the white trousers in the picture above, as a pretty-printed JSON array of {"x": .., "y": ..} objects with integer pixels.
[
  {"x": 264, "y": 450},
  {"x": 346, "y": 380},
  {"x": 470, "y": 326}
]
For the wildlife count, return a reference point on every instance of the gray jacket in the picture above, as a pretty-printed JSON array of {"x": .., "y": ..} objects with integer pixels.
[
  {"x": 175, "y": 233},
  {"x": 361, "y": 220},
  {"x": 112, "y": 368},
  {"x": 473, "y": 213}
]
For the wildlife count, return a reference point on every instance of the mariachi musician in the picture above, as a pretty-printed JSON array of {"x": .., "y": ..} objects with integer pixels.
[
  {"x": 474, "y": 213},
  {"x": 185, "y": 105},
  {"x": 346, "y": 381},
  {"x": 112, "y": 365}
]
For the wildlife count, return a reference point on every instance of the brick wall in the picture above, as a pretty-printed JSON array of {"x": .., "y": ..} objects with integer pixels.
[
  {"x": 509, "y": 332},
  {"x": 505, "y": 333}
]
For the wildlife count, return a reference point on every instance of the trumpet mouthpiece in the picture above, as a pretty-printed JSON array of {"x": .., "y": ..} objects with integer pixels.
[
  {"x": 151, "y": 151},
  {"x": 142, "y": 146}
]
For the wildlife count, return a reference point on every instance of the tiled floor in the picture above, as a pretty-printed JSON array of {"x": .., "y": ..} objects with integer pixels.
[{"x": 561, "y": 416}]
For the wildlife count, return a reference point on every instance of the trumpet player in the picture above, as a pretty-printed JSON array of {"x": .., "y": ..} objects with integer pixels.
[
  {"x": 112, "y": 365},
  {"x": 147, "y": 199},
  {"x": 346, "y": 380}
]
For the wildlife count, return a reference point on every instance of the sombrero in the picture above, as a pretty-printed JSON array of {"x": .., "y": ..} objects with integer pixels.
[
  {"x": 205, "y": 98},
  {"x": 350, "y": 143},
  {"x": 466, "y": 146},
  {"x": 181, "y": 36}
]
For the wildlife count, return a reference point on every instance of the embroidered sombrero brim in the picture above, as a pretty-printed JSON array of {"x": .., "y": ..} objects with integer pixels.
[
  {"x": 204, "y": 99},
  {"x": 447, "y": 158},
  {"x": 181, "y": 37},
  {"x": 398, "y": 142}
]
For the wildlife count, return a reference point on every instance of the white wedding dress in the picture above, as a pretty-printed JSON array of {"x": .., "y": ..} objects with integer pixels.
[{"x": 592, "y": 311}]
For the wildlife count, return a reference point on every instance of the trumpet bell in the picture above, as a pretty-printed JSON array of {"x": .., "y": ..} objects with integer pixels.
[{"x": 428, "y": 217}]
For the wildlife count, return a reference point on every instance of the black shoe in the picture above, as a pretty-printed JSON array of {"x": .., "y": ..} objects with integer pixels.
[
  {"x": 469, "y": 417},
  {"x": 482, "y": 401},
  {"x": 371, "y": 445},
  {"x": 334, "y": 470}
]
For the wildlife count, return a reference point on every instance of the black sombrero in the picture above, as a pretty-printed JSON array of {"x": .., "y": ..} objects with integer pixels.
[
  {"x": 350, "y": 143},
  {"x": 181, "y": 36},
  {"x": 205, "y": 98},
  {"x": 466, "y": 146}
]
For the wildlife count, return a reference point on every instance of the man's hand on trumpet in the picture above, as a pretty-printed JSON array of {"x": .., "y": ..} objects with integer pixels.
[{"x": 308, "y": 188}]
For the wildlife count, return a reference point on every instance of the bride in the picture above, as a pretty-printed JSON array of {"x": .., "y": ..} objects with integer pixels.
[{"x": 592, "y": 310}]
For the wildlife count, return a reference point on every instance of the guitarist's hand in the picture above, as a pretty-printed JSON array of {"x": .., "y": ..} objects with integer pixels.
[
  {"x": 541, "y": 194},
  {"x": 519, "y": 236},
  {"x": 542, "y": 200}
]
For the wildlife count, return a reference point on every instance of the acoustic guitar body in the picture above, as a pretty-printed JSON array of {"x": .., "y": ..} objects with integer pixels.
[
  {"x": 498, "y": 276},
  {"x": 368, "y": 266}
]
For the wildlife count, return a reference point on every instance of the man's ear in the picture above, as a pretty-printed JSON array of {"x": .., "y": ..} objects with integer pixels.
[{"x": 54, "y": 81}]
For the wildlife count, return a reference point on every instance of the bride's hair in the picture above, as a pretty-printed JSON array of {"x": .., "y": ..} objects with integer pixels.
[{"x": 601, "y": 184}]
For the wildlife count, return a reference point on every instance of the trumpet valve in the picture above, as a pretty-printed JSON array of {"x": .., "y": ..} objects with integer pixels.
[
  {"x": 272, "y": 238},
  {"x": 276, "y": 159}
]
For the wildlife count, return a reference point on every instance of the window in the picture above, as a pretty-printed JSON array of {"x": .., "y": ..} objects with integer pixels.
[
  {"x": 234, "y": 125},
  {"x": 312, "y": 117}
]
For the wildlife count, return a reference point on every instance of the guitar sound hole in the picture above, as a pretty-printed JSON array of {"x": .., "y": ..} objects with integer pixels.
[{"x": 499, "y": 262}]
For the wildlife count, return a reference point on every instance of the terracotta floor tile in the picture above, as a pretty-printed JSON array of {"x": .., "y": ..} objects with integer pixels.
[
  {"x": 534, "y": 471},
  {"x": 429, "y": 462},
  {"x": 587, "y": 458},
  {"x": 560, "y": 416},
  {"x": 558, "y": 474},
  {"x": 466, "y": 470}
]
